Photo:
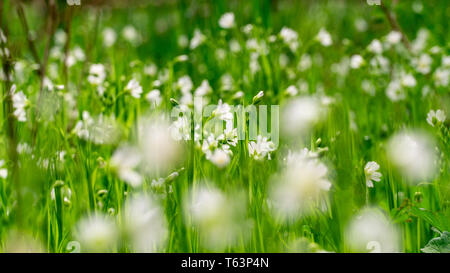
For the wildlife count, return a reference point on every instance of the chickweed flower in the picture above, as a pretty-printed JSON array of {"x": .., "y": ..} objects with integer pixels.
[
  {"x": 371, "y": 173},
  {"x": 436, "y": 117},
  {"x": 227, "y": 20}
]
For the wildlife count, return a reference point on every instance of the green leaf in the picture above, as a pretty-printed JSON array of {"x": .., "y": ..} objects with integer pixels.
[{"x": 439, "y": 244}]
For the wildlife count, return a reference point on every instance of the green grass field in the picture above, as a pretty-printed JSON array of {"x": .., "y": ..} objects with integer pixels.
[{"x": 140, "y": 126}]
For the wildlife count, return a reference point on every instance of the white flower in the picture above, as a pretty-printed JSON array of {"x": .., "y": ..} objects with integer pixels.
[
  {"x": 408, "y": 80},
  {"x": 197, "y": 39},
  {"x": 130, "y": 34},
  {"x": 109, "y": 37},
  {"x": 394, "y": 37},
  {"x": 135, "y": 88},
  {"x": 20, "y": 102},
  {"x": 290, "y": 38},
  {"x": 413, "y": 154},
  {"x": 436, "y": 117},
  {"x": 292, "y": 90},
  {"x": 97, "y": 74},
  {"x": 144, "y": 223},
  {"x": 324, "y": 37},
  {"x": 301, "y": 186},
  {"x": 227, "y": 20},
  {"x": 203, "y": 89},
  {"x": 371, "y": 231},
  {"x": 154, "y": 97},
  {"x": 3, "y": 171},
  {"x": 97, "y": 234},
  {"x": 300, "y": 115},
  {"x": 185, "y": 84},
  {"x": 124, "y": 160},
  {"x": 441, "y": 77},
  {"x": 395, "y": 92},
  {"x": 305, "y": 62},
  {"x": 375, "y": 47},
  {"x": 423, "y": 64},
  {"x": 370, "y": 171},
  {"x": 223, "y": 111},
  {"x": 220, "y": 158},
  {"x": 356, "y": 61},
  {"x": 261, "y": 148}
]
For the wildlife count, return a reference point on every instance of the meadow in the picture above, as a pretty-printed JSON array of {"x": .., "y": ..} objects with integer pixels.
[{"x": 224, "y": 126}]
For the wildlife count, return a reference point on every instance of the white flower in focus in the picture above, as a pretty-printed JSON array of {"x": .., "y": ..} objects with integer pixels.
[
  {"x": 371, "y": 173},
  {"x": 97, "y": 234},
  {"x": 109, "y": 37},
  {"x": 394, "y": 37},
  {"x": 134, "y": 88},
  {"x": 414, "y": 155},
  {"x": 356, "y": 61},
  {"x": 154, "y": 97},
  {"x": 260, "y": 148},
  {"x": 125, "y": 160},
  {"x": 375, "y": 47},
  {"x": 227, "y": 20},
  {"x": 371, "y": 231},
  {"x": 436, "y": 117},
  {"x": 144, "y": 223},
  {"x": 324, "y": 37}
]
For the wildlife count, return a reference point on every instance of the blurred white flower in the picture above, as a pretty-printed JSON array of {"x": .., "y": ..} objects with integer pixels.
[
  {"x": 371, "y": 173},
  {"x": 436, "y": 117},
  {"x": 408, "y": 80},
  {"x": 134, "y": 88},
  {"x": 160, "y": 151},
  {"x": 301, "y": 187},
  {"x": 290, "y": 38},
  {"x": 218, "y": 217},
  {"x": 197, "y": 39},
  {"x": 97, "y": 74},
  {"x": 423, "y": 63},
  {"x": 220, "y": 158},
  {"x": 97, "y": 233},
  {"x": 324, "y": 37},
  {"x": 371, "y": 231},
  {"x": 393, "y": 37},
  {"x": 300, "y": 115},
  {"x": 356, "y": 61},
  {"x": 109, "y": 37},
  {"x": 3, "y": 171},
  {"x": 20, "y": 102},
  {"x": 185, "y": 84},
  {"x": 223, "y": 111},
  {"x": 413, "y": 154},
  {"x": 441, "y": 77},
  {"x": 144, "y": 224},
  {"x": 375, "y": 47},
  {"x": 395, "y": 91},
  {"x": 154, "y": 97},
  {"x": 130, "y": 34},
  {"x": 124, "y": 161},
  {"x": 203, "y": 89},
  {"x": 227, "y": 20},
  {"x": 292, "y": 90}
]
